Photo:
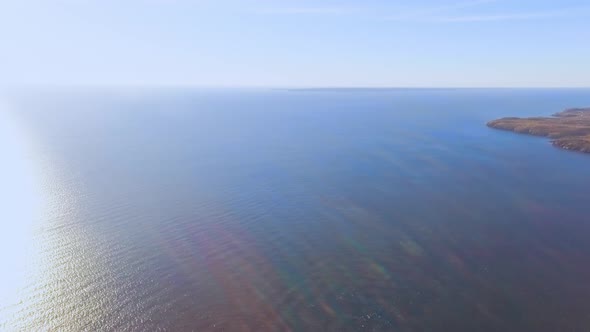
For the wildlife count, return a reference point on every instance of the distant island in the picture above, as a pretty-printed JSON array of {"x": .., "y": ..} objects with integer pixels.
[{"x": 568, "y": 130}]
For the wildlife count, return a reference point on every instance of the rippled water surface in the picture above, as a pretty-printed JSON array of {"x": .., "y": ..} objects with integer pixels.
[{"x": 277, "y": 210}]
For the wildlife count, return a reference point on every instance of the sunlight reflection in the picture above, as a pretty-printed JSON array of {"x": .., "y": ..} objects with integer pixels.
[{"x": 21, "y": 198}]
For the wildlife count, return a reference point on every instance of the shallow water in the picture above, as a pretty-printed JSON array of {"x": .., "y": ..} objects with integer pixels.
[{"x": 398, "y": 209}]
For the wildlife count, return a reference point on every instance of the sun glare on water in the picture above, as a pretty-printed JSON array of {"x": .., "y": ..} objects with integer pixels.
[{"x": 20, "y": 214}]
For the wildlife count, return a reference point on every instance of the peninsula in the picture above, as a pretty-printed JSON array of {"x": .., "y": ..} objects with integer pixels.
[{"x": 569, "y": 129}]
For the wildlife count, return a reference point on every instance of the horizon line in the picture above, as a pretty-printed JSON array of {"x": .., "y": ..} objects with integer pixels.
[{"x": 274, "y": 86}]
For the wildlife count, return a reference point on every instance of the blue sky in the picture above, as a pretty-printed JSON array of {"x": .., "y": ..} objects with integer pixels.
[{"x": 424, "y": 43}]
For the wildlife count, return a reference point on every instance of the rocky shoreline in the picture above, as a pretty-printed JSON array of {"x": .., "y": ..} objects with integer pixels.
[{"x": 568, "y": 130}]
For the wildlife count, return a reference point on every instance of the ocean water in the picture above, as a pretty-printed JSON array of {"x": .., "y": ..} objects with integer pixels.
[{"x": 289, "y": 210}]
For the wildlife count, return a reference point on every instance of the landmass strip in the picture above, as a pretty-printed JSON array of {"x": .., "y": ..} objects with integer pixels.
[{"x": 568, "y": 130}]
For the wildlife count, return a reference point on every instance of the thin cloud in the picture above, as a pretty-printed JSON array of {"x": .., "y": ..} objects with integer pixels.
[
  {"x": 569, "y": 12},
  {"x": 449, "y": 13},
  {"x": 491, "y": 18},
  {"x": 408, "y": 15},
  {"x": 344, "y": 10},
  {"x": 310, "y": 11}
]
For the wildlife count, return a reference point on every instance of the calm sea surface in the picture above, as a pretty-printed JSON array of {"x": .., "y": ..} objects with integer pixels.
[{"x": 277, "y": 210}]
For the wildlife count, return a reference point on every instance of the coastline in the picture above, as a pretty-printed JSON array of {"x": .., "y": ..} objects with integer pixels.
[{"x": 569, "y": 129}]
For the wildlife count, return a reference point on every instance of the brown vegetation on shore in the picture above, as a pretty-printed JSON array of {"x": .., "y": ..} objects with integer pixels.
[{"x": 569, "y": 129}]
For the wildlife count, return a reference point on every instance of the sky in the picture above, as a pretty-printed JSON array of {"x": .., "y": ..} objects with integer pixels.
[{"x": 296, "y": 43}]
